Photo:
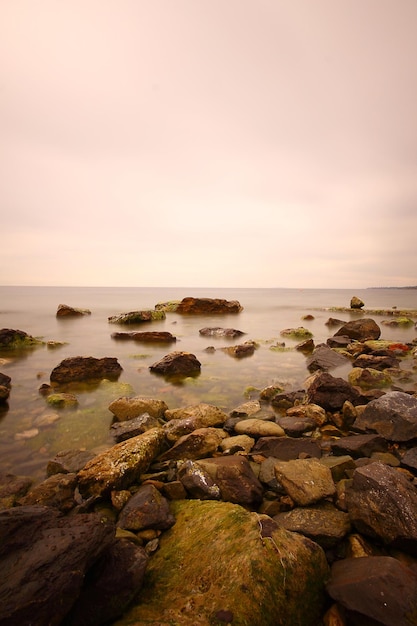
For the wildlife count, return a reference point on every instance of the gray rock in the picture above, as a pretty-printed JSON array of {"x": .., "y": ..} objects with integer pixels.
[
  {"x": 382, "y": 504},
  {"x": 133, "y": 427},
  {"x": 393, "y": 415},
  {"x": 220, "y": 332},
  {"x": 325, "y": 358}
]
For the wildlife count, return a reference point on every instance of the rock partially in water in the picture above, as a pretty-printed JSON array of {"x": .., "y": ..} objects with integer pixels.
[
  {"x": 64, "y": 310},
  {"x": 137, "y": 317},
  {"x": 208, "y": 306},
  {"x": 17, "y": 340},
  {"x": 79, "y": 368},
  {"x": 126, "y": 408},
  {"x": 356, "y": 303},
  {"x": 220, "y": 332},
  {"x": 177, "y": 364},
  {"x": 361, "y": 330},
  {"x": 147, "y": 337}
]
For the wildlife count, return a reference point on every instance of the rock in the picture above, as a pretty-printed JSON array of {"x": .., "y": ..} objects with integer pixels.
[
  {"x": 79, "y": 368},
  {"x": 332, "y": 321},
  {"x": 398, "y": 321},
  {"x": 137, "y": 317},
  {"x": 5, "y": 387},
  {"x": 325, "y": 358},
  {"x": 286, "y": 448},
  {"x": 208, "y": 306},
  {"x": 368, "y": 378},
  {"x": 306, "y": 481},
  {"x": 177, "y": 363},
  {"x": 12, "y": 488},
  {"x": 340, "y": 466},
  {"x": 47, "y": 557},
  {"x": 246, "y": 409},
  {"x": 322, "y": 523},
  {"x": 56, "y": 491},
  {"x": 62, "y": 400},
  {"x": 147, "y": 508},
  {"x": 377, "y": 587},
  {"x": 359, "y": 445},
  {"x": 133, "y": 427},
  {"x": 68, "y": 462},
  {"x": 147, "y": 337},
  {"x": 68, "y": 311},
  {"x": 185, "y": 420},
  {"x": 409, "y": 460},
  {"x": 258, "y": 428},
  {"x": 310, "y": 411},
  {"x": 126, "y": 408},
  {"x": 331, "y": 393},
  {"x": 199, "y": 444},
  {"x": 376, "y": 362},
  {"x": 296, "y": 333},
  {"x": 242, "y": 350},
  {"x": 220, "y": 332},
  {"x": 296, "y": 425},
  {"x": 198, "y": 482},
  {"x": 169, "y": 307},
  {"x": 121, "y": 465},
  {"x": 306, "y": 346},
  {"x": 285, "y": 400},
  {"x": 17, "y": 339},
  {"x": 339, "y": 342},
  {"x": 113, "y": 582},
  {"x": 361, "y": 330},
  {"x": 356, "y": 303},
  {"x": 393, "y": 415},
  {"x": 382, "y": 504},
  {"x": 234, "y": 477},
  {"x": 260, "y": 585},
  {"x": 237, "y": 444},
  {"x": 383, "y": 346}
]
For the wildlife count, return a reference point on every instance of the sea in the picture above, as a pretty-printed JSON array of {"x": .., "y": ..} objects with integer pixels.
[{"x": 32, "y": 432}]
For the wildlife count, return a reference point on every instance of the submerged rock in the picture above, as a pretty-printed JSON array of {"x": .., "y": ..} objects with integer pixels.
[
  {"x": 220, "y": 332},
  {"x": 147, "y": 337},
  {"x": 17, "y": 339},
  {"x": 260, "y": 585}
]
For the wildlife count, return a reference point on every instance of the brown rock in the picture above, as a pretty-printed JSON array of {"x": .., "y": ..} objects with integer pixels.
[
  {"x": 79, "y": 368},
  {"x": 147, "y": 508},
  {"x": 361, "y": 330},
  {"x": 177, "y": 363},
  {"x": 208, "y": 306}
]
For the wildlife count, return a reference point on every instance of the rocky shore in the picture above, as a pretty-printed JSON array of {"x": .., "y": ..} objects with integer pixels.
[{"x": 296, "y": 508}]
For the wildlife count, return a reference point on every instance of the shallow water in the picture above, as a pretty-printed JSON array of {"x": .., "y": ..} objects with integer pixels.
[{"x": 224, "y": 380}]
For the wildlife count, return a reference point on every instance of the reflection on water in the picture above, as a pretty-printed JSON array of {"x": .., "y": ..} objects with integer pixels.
[{"x": 31, "y": 431}]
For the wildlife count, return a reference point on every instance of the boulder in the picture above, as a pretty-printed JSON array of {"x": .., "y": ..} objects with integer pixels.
[
  {"x": 306, "y": 481},
  {"x": 360, "y": 330},
  {"x": 17, "y": 340},
  {"x": 242, "y": 350},
  {"x": 356, "y": 303},
  {"x": 46, "y": 557},
  {"x": 379, "y": 588},
  {"x": 331, "y": 393},
  {"x": 325, "y": 358},
  {"x": 208, "y": 306},
  {"x": 177, "y": 364},
  {"x": 393, "y": 415},
  {"x": 376, "y": 362},
  {"x": 147, "y": 337},
  {"x": 137, "y": 317},
  {"x": 323, "y": 523},
  {"x": 68, "y": 311},
  {"x": 80, "y": 368},
  {"x": 125, "y": 408},
  {"x": 220, "y": 332},
  {"x": 121, "y": 465},
  {"x": 112, "y": 583},
  {"x": 201, "y": 574},
  {"x": 382, "y": 504}
]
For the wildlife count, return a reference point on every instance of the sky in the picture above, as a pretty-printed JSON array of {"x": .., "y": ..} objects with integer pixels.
[{"x": 208, "y": 143}]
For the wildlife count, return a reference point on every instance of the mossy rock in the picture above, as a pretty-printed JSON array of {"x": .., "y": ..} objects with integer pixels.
[
  {"x": 137, "y": 317},
  {"x": 169, "y": 307},
  {"x": 11, "y": 339},
  {"x": 62, "y": 400},
  {"x": 297, "y": 333},
  {"x": 399, "y": 321},
  {"x": 369, "y": 378},
  {"x": 216, "y": 565}
]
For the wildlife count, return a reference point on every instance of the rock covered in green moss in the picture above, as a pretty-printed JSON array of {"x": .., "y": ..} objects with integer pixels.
[
  {"x": 221, "y": 564},
  {"x": 11, "y": 339},
  {"x": 296, "y": 333},
  {"x": 136, "y": 317}
]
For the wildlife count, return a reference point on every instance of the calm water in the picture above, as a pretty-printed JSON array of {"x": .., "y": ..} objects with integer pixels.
[{"x": 224, "y": 380}]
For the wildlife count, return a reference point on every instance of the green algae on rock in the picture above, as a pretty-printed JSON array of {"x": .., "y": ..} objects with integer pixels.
[
  {"x": 369, "y": 378},
  {"x": 137, "y": 317},
  {"x": 11, "y": 339},
  {"x": 297, "y": 333},
  {"x": 219, "y": 559}
]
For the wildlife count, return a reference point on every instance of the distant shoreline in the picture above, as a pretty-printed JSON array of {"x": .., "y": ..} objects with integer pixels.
[{"x": 408, "y": 287}]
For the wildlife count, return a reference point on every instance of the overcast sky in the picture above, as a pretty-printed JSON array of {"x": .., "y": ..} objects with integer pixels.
[{"x": 212, "y": 143}]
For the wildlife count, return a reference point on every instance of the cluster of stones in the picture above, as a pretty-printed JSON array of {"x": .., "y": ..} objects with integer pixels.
[{"x": 292, "y": 508}]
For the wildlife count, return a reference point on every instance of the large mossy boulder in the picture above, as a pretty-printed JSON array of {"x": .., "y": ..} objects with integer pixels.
[
  {"x": 137, "y": 317},
  {"x": 222, "y": 564},
  {"x": 11, "y": 339}
]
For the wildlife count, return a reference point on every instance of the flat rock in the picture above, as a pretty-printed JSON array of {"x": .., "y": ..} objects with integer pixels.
[
  {"x": 359, "y": 445},
  {"x": 125, "y": 408},
  {"x": 137, "y": 317},
  {"x": 217, "y": 331},
  {"x": 322, "y": 523},
  {"x": 134, "y": 427},
  {"x": 208, "y": 306},
  {"x": 325, "y": 358},
  {"x": 258, "y": 428},
  {"x": 146, "y": 337},
  {"x": 306, "y": 481},
  {"x": 286, "y": 448}
]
